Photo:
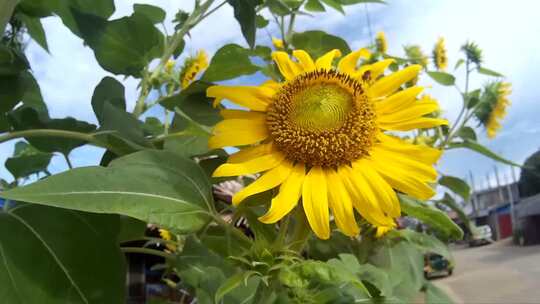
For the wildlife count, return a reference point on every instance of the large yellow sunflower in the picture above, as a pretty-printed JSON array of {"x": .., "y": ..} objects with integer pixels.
[{"x": 319, "y": 136}]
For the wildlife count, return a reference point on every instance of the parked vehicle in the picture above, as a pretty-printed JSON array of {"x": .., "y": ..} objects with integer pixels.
[
  {"x": 436, "y": 265},
  {"x": 480, "y": 235}
]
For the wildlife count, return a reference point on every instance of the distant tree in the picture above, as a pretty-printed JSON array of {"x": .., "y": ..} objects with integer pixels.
[{"x": 529, "y": 181}]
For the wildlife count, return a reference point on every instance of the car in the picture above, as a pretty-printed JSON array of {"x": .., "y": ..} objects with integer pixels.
[
  {"x": 480, "y": 235},
  {"x": 436, "y": 265}
]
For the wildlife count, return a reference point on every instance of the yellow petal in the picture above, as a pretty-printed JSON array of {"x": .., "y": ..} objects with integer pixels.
[
  {"x": 398, "y": 101},
  {"x": 241, "y": 114},
  {"x": 315, "y": 202},
  {"x": 325, "y": 61},
  {"x": 304, "y": 60},
  {"x": 348, "y": 63},
  {"x": 341, "y": 204},
  {"x": 272, "y": 85},
  {"x": 267, "y": 181},
  {"x": 287, "y": 199},
  {"x": 375, "y": 70},
  {"x": 384, "y": 194},
  {"x": 416, "y": 110},
  {"x": 416, "y": 123},
  {"x": 287, "y": 67},
  {"x": 422, "y": 170},
  {"x": 237, "y": 132},
  {"x": 250, "y": 153},
  {"x": 389, "y": 84},
  {"x": 428, "y": 155},
  {"x": 256, "y": 165},
  {"x": 254, "y": 98},
  {"x": 364, "y": 200}
]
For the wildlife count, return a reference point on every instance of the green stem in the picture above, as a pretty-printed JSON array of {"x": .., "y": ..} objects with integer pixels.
[
  {"x": 300, "y": 233},
  {"x": 54, "y": 133},
  {"x": 229, "y": 227},
  {"x": 7, "y": 7},
  {"x": 147, "y": 251}
]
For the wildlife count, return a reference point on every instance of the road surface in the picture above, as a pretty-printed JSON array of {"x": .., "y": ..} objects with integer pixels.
[{"x": 496, "y": 273}]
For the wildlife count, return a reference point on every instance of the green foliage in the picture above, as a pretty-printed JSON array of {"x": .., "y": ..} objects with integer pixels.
[
  {"x": 449, "y": 202},
  {"x": 457, "y": 185},
  {"x": 245, "y": 14},
  {"x": 317, "y": 43},
  {"x": 48, "y": 254},
  {"x": 529, "y": 180},
  {"x": 27, "y": 160},
  {"x": 442, "y": 78},
  {"x": 169, "y": 190},
  {"x": 435, "y": 295},
  {"x": 431, "y": 216},
  {"x": 35, "y": 30},
  {"x": 221, "y": 69},
  {"x": 153, "y": 13},
  {"x": 475, "y": 146}
]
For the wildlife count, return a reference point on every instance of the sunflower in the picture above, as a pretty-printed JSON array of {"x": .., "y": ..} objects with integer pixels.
[
  {"x": 380, "y": 43},
  {"x": 439, "y": 55},
  {"x": 320, "y": 136},
  {"x": 492, "y": 110},
  {"x": 192, "y": 67}
]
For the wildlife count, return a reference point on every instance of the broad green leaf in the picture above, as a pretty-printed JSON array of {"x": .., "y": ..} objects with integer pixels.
[
  {"x": 35, "y": 8},
  {"x": 424, "y": 242},
  {"x": 12, "y": 62},
  {"x": 317, "y": 43},
  {"x": 12, "y": 90},
  {"x": 435, "y": 295},
  {"x": 108, "y": 90},
  {"x": 431, "y": 216},
  {"x": 32, "y": 96},
  {"x": 261, "y": 22},
  {"x": 457, "y": 185},
  {"x": 278, "y": 7},
  {"x": 68, "y": 11},
  {"x": 130, "y": 229},
  {"x": 442, "y": 78},
  {"x": 153, "y": 126},
  {"x": 314, "y": 6},
  {"x": 123, "y": 124},
  {"x": 122, "y": 46},
  {"x": 472, "y": 98},
  {"x": 489, "y": 72},
  {"x": 194, "y": 103},
  {"x": 334, "y": 4},
  {"x": 168, "y": 190},
  {"x": 475, "y": 146},
  {"x": 220, "y": 67},
  {"x": 153, "y": 13},
  {"x": 467, "y": 133},
  {"x": 245, "y": 13},
  {"x": 237, "y": 280},
  {"x": 53, "y": 255},
  {"x": 35, "y": 30},
  {"x": 28, "y": 118},
  {"x": 448, "y": 201},
  {"x": 27, "y": 160}
]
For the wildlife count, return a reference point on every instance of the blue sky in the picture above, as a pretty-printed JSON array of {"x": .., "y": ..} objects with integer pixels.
[{"x": 506, "y": 32}]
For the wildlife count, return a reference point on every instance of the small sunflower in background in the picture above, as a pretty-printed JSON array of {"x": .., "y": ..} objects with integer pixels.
[
  {"x": 192, "y": 67},
  {"x": 278, "y": 43},
  {"x": 440, "y": 58},
  {"x": 493, "y": 104},
  {"x": 416, "y": 55},
  {"x": 320, "y": 136},
  {"x": 380, "y": 43}
]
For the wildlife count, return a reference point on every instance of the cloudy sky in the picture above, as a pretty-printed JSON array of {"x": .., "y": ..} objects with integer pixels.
[{"x": 506, "y": 31}]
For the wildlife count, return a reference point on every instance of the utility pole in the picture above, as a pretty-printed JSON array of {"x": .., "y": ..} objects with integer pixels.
[
  {"x": 499, "y": 188},
  {"x": 473, "y": 194},
  {"x": 511, "y": 198}
]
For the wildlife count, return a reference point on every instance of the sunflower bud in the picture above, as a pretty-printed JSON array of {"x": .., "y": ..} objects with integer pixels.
[
  {"x": 380, "y": 43},
  {"x": 473, "y": 52},
  {"x": 192, "y": 67},
  {"x": 492, "y": 107},
  {"x": 439, "y": 55}
]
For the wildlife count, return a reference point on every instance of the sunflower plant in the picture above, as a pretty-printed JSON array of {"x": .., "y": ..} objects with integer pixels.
[{"x": 295, "y": 190}]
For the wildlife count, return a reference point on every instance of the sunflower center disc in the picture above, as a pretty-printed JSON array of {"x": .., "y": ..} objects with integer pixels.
[{"x": 322, "y": 118}]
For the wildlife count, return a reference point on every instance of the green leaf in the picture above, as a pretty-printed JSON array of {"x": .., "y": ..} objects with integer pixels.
[
  {"x": 314, "y": 6},
  {"x": 108, "y": 90},
  {"x": 27, "y": 160},
  {"x": 168, "y": 190},
  {"x": 28, "y": 118},
  {"x": 220, "y": 67},
  {"x": 475, "y": 146},
  {"x": 35, "y": 8},
  {"x": 431, "y": 216},
  {"x": 35, "y": 30},
  {"x": 153, "y": 126},
  {"x": 53, "y": 255},
  {"x": 317, "y": 43},
  {"x": 467, "y": 133},
  {"x": 130, "y": 229},
  {"x": 153, "y": 13},
  {"x": 489, "y": 72},
  {"x": 245, "y": 13},
  {"x": 261, "y": 22},
  {"x": 442, "y": 78},
  {"x": 232, "y": 283},
  {"x": 424, "y": 242},
  {"x": 335, "y": 5},
  {"x": 448, "y": 201},
  {"x": 12, "y": 62},
  {"x": 122, "y": 46},
  {"x": 435, "y": 295},
  {"x": 125, "y": 125},
  {"x": 459, "y": 63},
  {"x": 68, "y": 12},
  {"x": 278, "y": 7},
  {"x": 457, "y": 185}
]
